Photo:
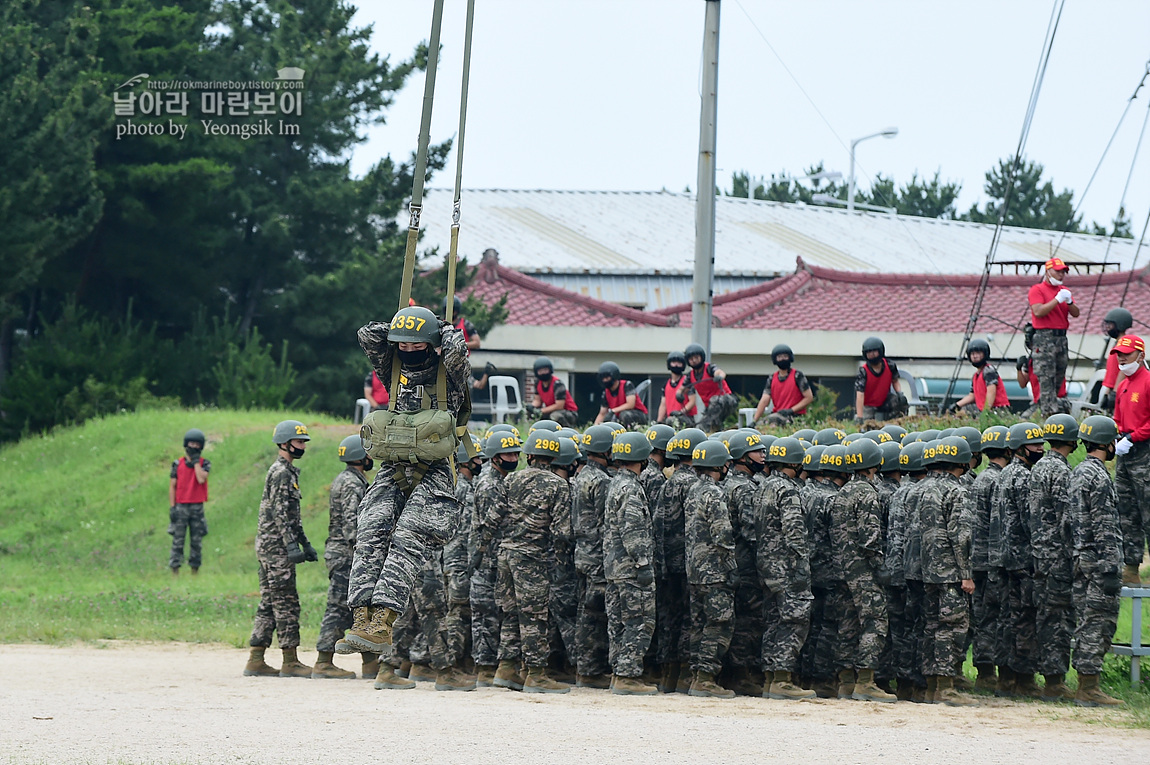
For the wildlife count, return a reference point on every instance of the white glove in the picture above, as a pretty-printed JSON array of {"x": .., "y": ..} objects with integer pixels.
[
  {"x": 1123, "y": 446},
  {"x": 1064, "y": 296}
]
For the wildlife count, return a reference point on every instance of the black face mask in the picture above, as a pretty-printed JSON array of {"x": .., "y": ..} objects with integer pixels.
[
  {"x": 1033, "y": 455},
  {"x": 1112, "y": 331},
  {"x": 607, "y": 383},
  {"x": 978, "y": 364},
  {"x": 756, "y": 467},
  {"x": 723, "y": 473},
  {"x": 193, "y": 454},
  {"x": 543, "y": 377},
  {"x": 415, "y": 358},
  {"x": 677, "y": 369},
  {"x": 783, "y": 363},
  {"x": 368, "y": 464},
  {"x": 293, "y": 450},
  {"x": 508, "y": 465}
]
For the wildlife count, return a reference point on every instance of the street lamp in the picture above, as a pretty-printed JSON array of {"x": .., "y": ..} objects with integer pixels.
[
  {"x": 890, "y": 132},
  {"x": 822, "y": 175},
  {"x": 827, "y": 199}
]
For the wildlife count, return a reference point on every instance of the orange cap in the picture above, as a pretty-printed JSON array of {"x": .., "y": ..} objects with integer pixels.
[
  {"x": 1128, "y": 344},
  {"x": 1057, "y": 264}
]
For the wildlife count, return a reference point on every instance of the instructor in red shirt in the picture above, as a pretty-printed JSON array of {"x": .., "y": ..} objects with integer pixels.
[
  {"x": 1132, "y": 475},
  {"x": 1051, "y": 306}
]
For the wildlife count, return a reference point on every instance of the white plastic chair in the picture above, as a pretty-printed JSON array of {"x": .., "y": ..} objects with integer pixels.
[{"x": 506, "y": 399}]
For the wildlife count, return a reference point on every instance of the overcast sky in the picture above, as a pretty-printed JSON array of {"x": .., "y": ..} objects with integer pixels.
[{"x": 604, "y": 94}]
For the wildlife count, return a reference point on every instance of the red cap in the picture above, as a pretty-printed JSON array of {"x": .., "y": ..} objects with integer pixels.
[
  {"x": 1057, "y": 264},
  {"x": 1128, "y": 344}
]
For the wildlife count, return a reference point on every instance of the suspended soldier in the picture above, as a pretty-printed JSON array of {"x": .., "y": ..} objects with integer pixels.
[
  {"x": 281, "y": 545},
  {"x": 1051, "y": 306},
  {"x": 709, "y": 384},
  {"x": 672, "y": 410},
  {"x": 551, "y": 397},
  {"x": 411, "y": 510},
  {"x": 620, "y": 402},
  {"x": 1132, "y": 476},
  {"x": 589, "y": 503},
  {"x": 347, "y": 489},
  {"x": 187, "y": 495},
  {"x": 878, "y": 393},
  {"x": 787, "y": 388}
]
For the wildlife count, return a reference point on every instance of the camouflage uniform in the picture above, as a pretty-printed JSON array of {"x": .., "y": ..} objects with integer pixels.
[
  {"x": 945, "y": 563},
  {"x": 989, "y": 580},
  {"x": 910, "y": 658},
  {"x": 628, "y": 549},
  {"x": 1012, "y": 499},
  {"x": 456, "y": 557},
  {"x": 523, "y": 524},
  {"x": 589, "y": 501},
  {"x": 710, "y": 553},
  {"x": 187, "y": 519},
  {"x": 672, "y": 610},
  {"x": 1050, "y": 357},
  {"x": 1097, "y": 550},
  {"x": 886, "y": 486},
  {"x": 747, "y": 639},
  {"x": 279, "y": 528},
  {"x": 898, "y": 648},
  {"x": 818, "y": 654},
  {"x": 397, "y": 533},
  {"x": 346, "y": 491},
  {"x": 421, "y": 633},
  {"x": 490, "y": 493},
  {"x": 719, "y": 408},
  {"x": 782, "y": 558},
  {"x": 1132, "y": 484},
  {"x": 857, "y": 536},
  {"x": 564, "y": 603},
  {"x": 1053, "y": 549}
]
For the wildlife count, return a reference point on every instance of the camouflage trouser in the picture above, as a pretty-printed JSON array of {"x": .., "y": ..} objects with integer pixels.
[
  {"x": 679, "y": 421},
  {"x": 564, "y": 417},
  {"x": 1097, "y": 615},
  {"x": 899, "y": 633},
  {"x": 672, "y": 619},
  {"x": 946, "y": 620},
  {"x": 863, "y": 628},
  {"x": 337, "y": 616},
  {"x": 780, "y": 420},
  {"x": 894, "y": 406},
  {"x": 422, "y": 628},
  {"x": 1018, "y": 617},
  {"x": 712, "y": 622},
  {"x": 592, "y": 649},
  {"x": 818, "y": 655},
  {"x": 189, "y": 520},
  {"x": 1132, "y": 483},
  {"x": 457, "y": 625},
  {"x": 630, "y": 624},
  {"x": 747, "y": 639},
  {"x": 1054, "y": 617},
  {"x": 719, "y": 408},
  {"x": 396, "y": 535},
  {"x": 786, "y": 622},
  {"x": 278, "y": 611},
  {"x": 910, "y": 654},
  {"x": 523, "y": 590},
  {"x": 631, "y": 417},
  {"x": 564, "y": 605},
  {"x": 985, "y": 610},
  {"x": 1049, "y": 360},
  {"x": 484, "y": 617}
]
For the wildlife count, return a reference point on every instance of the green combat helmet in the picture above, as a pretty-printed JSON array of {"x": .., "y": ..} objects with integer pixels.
[
  {"x": 834, "y": 459},
  {"x": 710, "y": 454},
  {"x": 1023, "y": 433},
  {"x": 952, "y": 450},
  {"x": 972, "y": 437},
  {"x": 863, "y": 454},
  {"x": 811, "y": 459},
  {"x": 910, "y": 459},
  {"x": 351, "y": 449},
  {"x": 1061, "y": 428},
  {"x": 461, "y": 450},
  {"x": 828, "y": 437},
  {"x": 896, "y": 432},
  {"x": 850, "y": 438},
  {"x": 1098, "y": 429},
  {"x": 542, "y": 443},
  {"x": 910, "y": 438},
  {"x": 995, "y": 437},
  {"x": 501, "y": 442},
  {"x": 878, "y": 436},
  {"x": 927, "y": 436},
  {"x": 631, "y": 446},
  {"x": 890, "y": 453},
  {"x": 659, "y": 434},
  {"x": 615, "y": 427},
  {"x": 684, "y": 442},
  {"x": 288, "y": 430},
  {"x": 500, "y": 427},
  {"x": 549, "y": 425},
  {"x": 743, "y": 442},
  {"x": 597, "y": 439},
  {"x": 806, "y": 434},
  {"x": 414, "y": 324},
  {"x": 945, "y": 433},
  {"x": 568, "y": 433},
  {"x": 786, "y": 451},
  {"x": 568, "y": 453}
]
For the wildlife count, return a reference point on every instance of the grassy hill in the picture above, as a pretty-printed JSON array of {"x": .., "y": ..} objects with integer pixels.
[{"x": 83, "y": 528}]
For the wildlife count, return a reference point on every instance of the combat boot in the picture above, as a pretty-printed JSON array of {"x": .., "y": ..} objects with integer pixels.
[
  {"x": 825, "y": 689},
  {"x": 507, "y": 676},
  {"x": 866, "y": 690},
  {"x": 454, "y": 679},
  {"x": 1056, "y": 689},
  {"x": 706, "y": 687},
  {"x": 421, "y": 673},
  {"x": 387, "y": 680},
  {"x": 360, "y": 618},
  {"x": 1131, "y": 577},
  {"x": 1025, "y": 686},
  {"x": 669, "y": 678},
  {"x": 846, "y": 683},
  {"x": 598, "y": 682},
  {"x": 931, "y": 688},
  {"x": 743, "y": 683},
  {"x": 484, "y": 675},
  {"x": 986, "y": 681},
  {"x": 375, "y": 636},
  {"x": 1091, "y": 695},
  {"x": 632, "y": 686},
  {"x": 1005, "y": 689},
  {"x": 945, "y": 693},
  {"x": 404, "y": 668},
  {"x": 370, "y": 666},
  {"x": 686, "y": 679},
  {"x": 962, "y": 683},
  {"x": 538, "y": 681},
  {"x": 904, "y": 690},
  {"x": 257, "y": 667},
  {"x": 325, "y": 669},
  {"x": 651, "y": 676},
  {"x": 292, "y": 666},
  {"x": 918, "y": 694},
  {"x": 783, "y": 688},
  {"x": 195, "y": 571}
]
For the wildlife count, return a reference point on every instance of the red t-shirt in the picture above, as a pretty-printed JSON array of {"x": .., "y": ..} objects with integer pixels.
[
  {"x": 1132, "y": 406},
  {"x": 1059, "y": 318},
  {"x": 1111, "y": 377}
]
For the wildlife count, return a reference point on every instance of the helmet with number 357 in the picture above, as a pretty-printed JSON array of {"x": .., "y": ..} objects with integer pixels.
[{"x": 414, "y": 324}]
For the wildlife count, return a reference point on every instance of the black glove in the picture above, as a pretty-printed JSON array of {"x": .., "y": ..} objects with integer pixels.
[
  {"x": 859, "y": 419},
  {"x": 490, "y": 369},
  {"x": 1107, "y": 401},
  {"x": 1111, "y": 583},
  {"x": 1020, "y": 365},
  {"x": 296, "y": 555},
  {"x": 309, "y": 552},
  {"x": 645, "y": 576},
  {"x": 786, "y": 412}
]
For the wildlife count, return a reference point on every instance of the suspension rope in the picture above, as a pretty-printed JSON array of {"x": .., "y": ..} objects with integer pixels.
[{"x": 453, "y": 255}]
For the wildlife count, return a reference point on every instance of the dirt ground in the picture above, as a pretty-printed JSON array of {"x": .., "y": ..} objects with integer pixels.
[{"x": 133, "y": 703}]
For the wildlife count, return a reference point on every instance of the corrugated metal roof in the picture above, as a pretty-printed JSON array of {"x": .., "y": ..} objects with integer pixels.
[
  {"x": 647, "y": 291},
  {"x": 616, "y": 232}
]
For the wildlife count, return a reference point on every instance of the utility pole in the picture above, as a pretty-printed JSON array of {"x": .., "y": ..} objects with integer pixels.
[{"x": 705, "y": 187}]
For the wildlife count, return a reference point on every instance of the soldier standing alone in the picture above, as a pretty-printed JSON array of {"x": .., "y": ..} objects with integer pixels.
[
  {"x": 1051, "y": 306},
  {"x": 188, "y": 493}
]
